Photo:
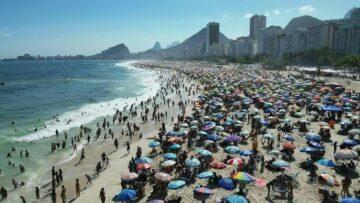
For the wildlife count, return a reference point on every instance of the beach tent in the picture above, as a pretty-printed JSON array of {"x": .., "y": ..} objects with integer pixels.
[
  {"x": 227, "y": 184},
  {"x": 125, "y": 195}
]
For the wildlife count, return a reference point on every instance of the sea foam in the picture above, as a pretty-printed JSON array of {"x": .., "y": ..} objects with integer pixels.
[{"x": 97, "y": 110}]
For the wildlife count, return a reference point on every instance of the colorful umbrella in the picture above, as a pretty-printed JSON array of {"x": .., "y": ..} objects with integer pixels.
[
  {"x": 143, "y": 160},
  {"x": 176, "y": 184},
  {"x": 345, "y": 154},
  {"x": 163, "y": 177},
  {"x": 218, "y": 165},
  {"x": 205, "y": 174},
  {"x": 232, "y": 138},
  {"x": 326, "y": 162},
  {"x": 129, "y": 176},
  {"x": 236, "y": 199},
  {"x": 126, "y": 195},
  {"x": 243, "y": 177},
  {"x": 227, "y": 183},
  {"x": 175, "y": 146},
  {"x": 168, "y": 163},
  {"x": 232, "y": 150},
  {"x": 142, "y": 166},
  {"x": 203, "y": 191},
  {"x": 154, "y": 144},
  {"x": 192, "y": 162},
  {"x": 170, "y": 156},
  {"x": 280, "y": 163},
  {"x": 330, "y": 180}
]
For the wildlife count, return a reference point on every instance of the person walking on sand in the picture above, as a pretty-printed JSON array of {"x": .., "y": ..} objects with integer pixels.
[
  {"x": 345, "y": 183},
  {"x": 63, "y": 194},
  {"x": 128, "y": 147},
  {"x": 23, "y": 200},
  {"x": 53, "y": 195},
  {"x": 37, "y": 193},
  {"x": 102, "y": 195},
  {"x": 77, "y": 188}
]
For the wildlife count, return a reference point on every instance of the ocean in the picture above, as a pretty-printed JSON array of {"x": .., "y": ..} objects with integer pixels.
[{"x": 37, "y": 91}]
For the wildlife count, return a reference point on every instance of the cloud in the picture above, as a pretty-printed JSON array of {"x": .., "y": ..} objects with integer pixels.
[
  {"x": 276, "y": 11},
  {"x": 267, "y": 14},
  {"x": 248, "y": 15},
  {"x": 306, "y": 9}
]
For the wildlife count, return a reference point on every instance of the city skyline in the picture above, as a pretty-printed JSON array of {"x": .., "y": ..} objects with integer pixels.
[{"x": 51, "y": 29}]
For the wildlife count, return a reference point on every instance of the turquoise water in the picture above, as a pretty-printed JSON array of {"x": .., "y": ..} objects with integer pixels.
[{"x": 36, "y": 91}]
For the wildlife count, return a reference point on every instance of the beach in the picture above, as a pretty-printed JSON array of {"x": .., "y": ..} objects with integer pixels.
[{"x": 207, "y": 104}]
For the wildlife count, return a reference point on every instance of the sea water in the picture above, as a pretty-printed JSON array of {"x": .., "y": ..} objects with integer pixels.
[{"x": 36, "y": 91}]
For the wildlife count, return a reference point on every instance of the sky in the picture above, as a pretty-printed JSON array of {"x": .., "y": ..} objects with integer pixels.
[{"x": 70, "y": 27}]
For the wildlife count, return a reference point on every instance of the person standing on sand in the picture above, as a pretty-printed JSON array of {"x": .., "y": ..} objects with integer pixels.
[
  {"x": 37, "y": 193},
  {"x": 63, "y": 194},
  {"x": 22, "y": 199},
  {"x": 128, "y": 147},
  {"x": 102, "y": 195},
  {"x": 53, "y": 195},
  {"x": 335, "y": 146},
  {"x": 77, "y": 188}
]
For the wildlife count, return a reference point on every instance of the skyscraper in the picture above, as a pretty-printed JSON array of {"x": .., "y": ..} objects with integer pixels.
[
  {"x": 257, "y": 22},
  {"x": 212, "y": 34}
]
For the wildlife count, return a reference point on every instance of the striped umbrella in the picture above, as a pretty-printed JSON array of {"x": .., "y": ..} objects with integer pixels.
[
  {"x": 243, "y": 177},
  {"x": 330, "y": 180},
  {"x": 176, "y": 184},
  {"x": 235, "y": 161},
  {"x": 203, "y": 191}
]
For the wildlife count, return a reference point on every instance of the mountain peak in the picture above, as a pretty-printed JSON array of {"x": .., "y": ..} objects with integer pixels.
[{"x": 157, "y": 46}]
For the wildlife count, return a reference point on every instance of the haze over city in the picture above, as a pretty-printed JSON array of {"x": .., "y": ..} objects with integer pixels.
[{"x": 67, "y": 27}]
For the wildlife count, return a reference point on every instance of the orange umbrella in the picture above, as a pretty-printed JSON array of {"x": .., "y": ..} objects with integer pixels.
[
  {"x": 218, "y": 165},
  {"x": 174, "y": 139},
  {"x": 288, "y": 145}
]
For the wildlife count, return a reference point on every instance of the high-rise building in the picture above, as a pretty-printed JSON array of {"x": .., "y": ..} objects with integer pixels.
[
  {"x": 257, "y": 22},
  {"x": 213, "y": 30}
]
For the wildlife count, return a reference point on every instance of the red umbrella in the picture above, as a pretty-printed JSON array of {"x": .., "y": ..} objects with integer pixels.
[
  {"x": 142, "y": 166},
  {"x": 235, "y": 161},
  {"x": 289, "y": 145},
  {"x": 174, "y": 139},
  {"x": 218, "y": 165},
  {"x": 129, "y": 176}
]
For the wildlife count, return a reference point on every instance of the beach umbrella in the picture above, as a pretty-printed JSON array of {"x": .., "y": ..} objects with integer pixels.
[
  {"x": 280, "y": 163},
  {"x": 168, "y": 163},
  {"x": 288, "y": 137},
  {"x": 269, "y": 136},
  {"x": 204, "y": 152},
  {"x": 244, "y": 133},
  {"x": 313, "y": 137},
  {"x": 143, "y": 160},
  {"x": 184, "y": 125},
  {"x": 126, "y": 195},
  {"x": 243, "y": 177},
  {"x": 156, "y": 201},
  {"x": 316, "y": 145},
  {"x": 309, "y": 149},
  {"x": 257, "y": 117},
  {"x": 192, "y": 162},
  {"x": 235, "y": 161},
  {"x": 170, "y": 156},
  {"x": 203, "y": 191},
  {"x": 163, "y": 177},
  {"x": 175, "y": 147},
  {"x": 345, "y": 154},
  {"x": 203, "y": 133},
  {"x": 326, "y": 162},
  {"x": 349, "y": 142},
  {"x": 350, "y": 200},
  {"x": 330, "y": 180},
  {"x": 176, "y": 184},
  {"x": 232, "y": 150},
  {"x": 213, "y": 137},
  {"x": 219, "y": 128},
  {"x": 142, "y": 166},
  {"x": 298, "y": 114},
  {"x": 288, "y": 145},
  {"x": 236, "y": 199},
  {"x": 218, "y": 165},
  {"x": 232, "y": 138},
  {"x": 205, "y": 174},
  {"x": 227, "y": 184},
  {"x": 154, "y": 144},
  {"x": 354, "y": 132},
  {"x": 129, "y": 176},
  {"x": 174, "y": 139},
  {"x": 275, "y": 152},
  {"x": 246, "y": 152},
  {"x": 194, "y": 122}
]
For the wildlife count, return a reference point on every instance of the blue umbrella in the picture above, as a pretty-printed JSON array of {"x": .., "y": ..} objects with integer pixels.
[
  {"x": 204, "y": 152},
  {"x": 350, "y": 200},
  {"x": 227, "y": 183},
  {"x": 288, "y": 137},
  {"x": 326, "y": 162},
  {"x": 350, "y": 142},
  {"x": 316, "y": 145},
  {"x": 170, "y": 156},
  {"x": 236, "y": 199},
  {"x": 330, "y": 108},
  {"x": 313, "y": 137},
  {"x": 175, "y": 146},
  {"x": 154, "y": 144},
  {"x": 192, "y": 162},
  {"x": 176, "y": 184},
  {"x": 125, "y": 195},
  {"x": 206, "y": 174},
  {"x": 280, "y": 163},
  {"x": 213, "y": 137},
  {"x": 143, "y": 160},
  {"x": 246, "y": 152},
  {"x": 309, "y": 150},
  {"x": 232, "y": 150}
]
